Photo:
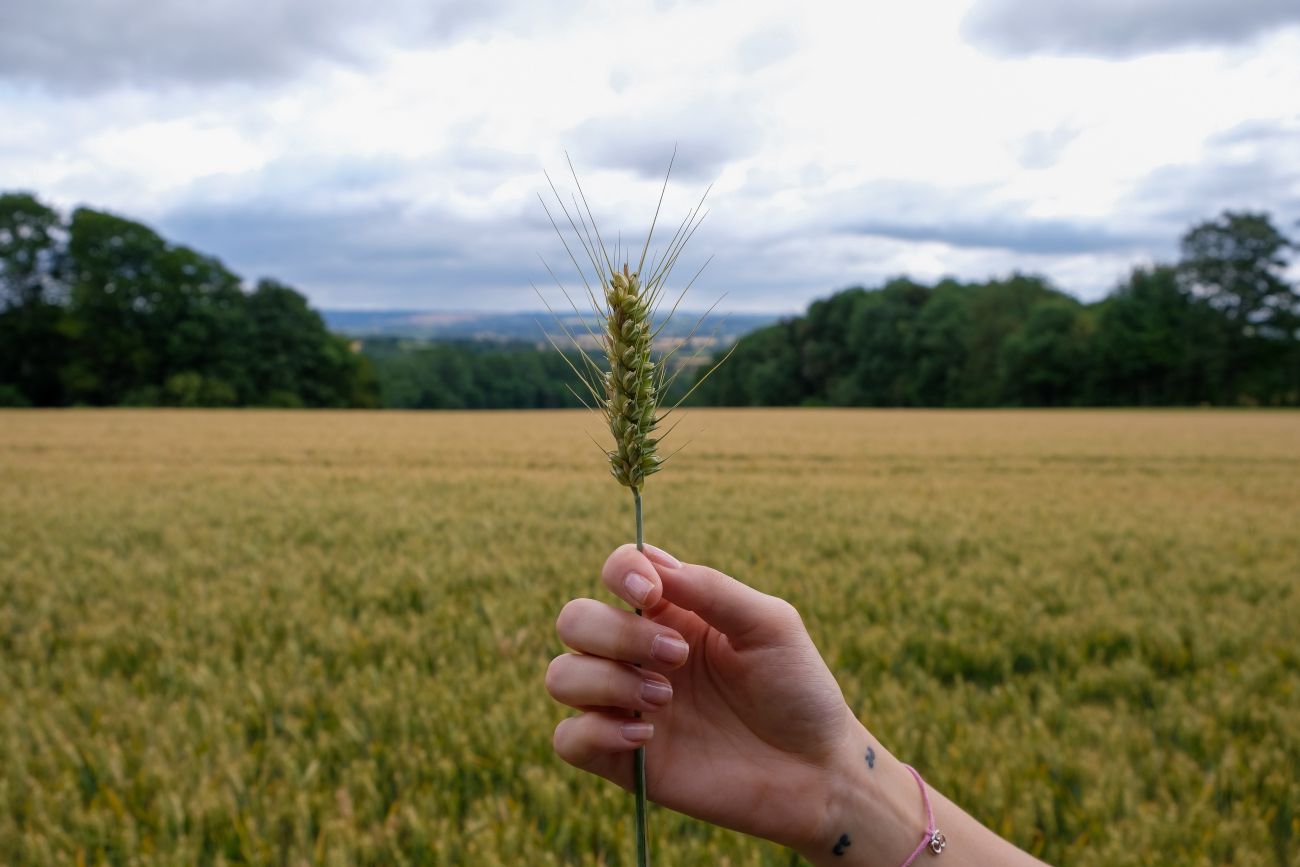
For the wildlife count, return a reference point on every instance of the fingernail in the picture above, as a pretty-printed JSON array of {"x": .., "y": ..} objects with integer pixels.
[
  {"x": 637, "y": 732},
  {"x": 656, "y": 692},
  {"x": 667, "y": 649},
  {"x": 638, "y": 587},
  {"x": 662, "y": 557}
]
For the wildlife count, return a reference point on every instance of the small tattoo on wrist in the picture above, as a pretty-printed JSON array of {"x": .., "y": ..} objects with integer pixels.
[
  {"x": 871, "y": 757},
  {"x": 841, "y": 844}
]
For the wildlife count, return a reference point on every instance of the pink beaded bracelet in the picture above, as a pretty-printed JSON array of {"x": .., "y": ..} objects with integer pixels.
[{"x": 933, "y": 838}]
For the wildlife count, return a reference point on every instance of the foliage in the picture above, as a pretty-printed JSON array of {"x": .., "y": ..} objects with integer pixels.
[
  {"x": 33, "y": 347},
  {"x": 471, "y": 375},
  {"x": 1155, "y": 344},
  {"x": 1041, "y": 359},
  {"x": 1222, "y": 327},
  {"x": 285, "y": 638},
  {"x": 415, "y": 374},
  {"x": 102, "y": 310},
  {"x": 1238, "y": 262}
]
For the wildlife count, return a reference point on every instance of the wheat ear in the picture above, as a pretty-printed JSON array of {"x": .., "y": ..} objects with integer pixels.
[
  {"x": 631, "y": 395},
  {"x": 626, "y": 391}
]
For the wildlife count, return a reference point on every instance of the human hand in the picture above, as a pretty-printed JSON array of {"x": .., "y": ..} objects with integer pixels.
[{"x": 744, "y": 725}]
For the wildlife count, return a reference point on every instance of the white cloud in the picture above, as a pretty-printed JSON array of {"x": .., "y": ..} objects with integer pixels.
[
  {"x": 396, "y": 162},
  {"x": 164, "y": 154}
]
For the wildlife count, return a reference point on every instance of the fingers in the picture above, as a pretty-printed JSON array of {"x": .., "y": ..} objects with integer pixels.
[
  {"x": 591, "y": 682},
  {"x": 595, "y": 628},
  {"x": 595, "y": 741},
  {"x": 743, "y": 614},
  {"x": 630, "y": 575}
]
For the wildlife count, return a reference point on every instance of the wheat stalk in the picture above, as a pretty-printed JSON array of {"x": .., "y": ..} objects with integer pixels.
[{"x": 627, "y": 390}]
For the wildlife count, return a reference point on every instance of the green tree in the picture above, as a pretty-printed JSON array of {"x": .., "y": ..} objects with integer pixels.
[
  {"x": 115, "y": 290},
  {"x": 825, "y": 347},
  {"x": 198, "y": 324},
  {"x": 103, "y": 310},
  {"x": 1155, "y": 344},
  {"x": 471, "y": 375},
  {"x": 763, "y": 371},
  {"x": 995, "y": 311},
  {"x": 882, "y": 333},
  {"x": 33, "y": 345},
  {"x": 939, "y": 350},
  {"x": 1238, "y": 263},
  {"x": 1045, "y": 362},
  {"x": 294, "y": 360}
]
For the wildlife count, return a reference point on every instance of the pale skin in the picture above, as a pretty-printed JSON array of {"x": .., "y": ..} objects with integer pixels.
[{"x": 743, "y": 723}]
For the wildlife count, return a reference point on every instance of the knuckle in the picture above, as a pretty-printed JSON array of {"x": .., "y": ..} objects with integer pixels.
[
  {"x": 634, "y": 640},
  {"x": 785, "y": 612},
  {"x": 612, "y": 687},
  {"x": 714, "y": 578},
  {"x": 719, "y": 583}
]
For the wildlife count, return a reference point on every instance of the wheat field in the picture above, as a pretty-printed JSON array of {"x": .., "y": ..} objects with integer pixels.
[{"x": 319, "y": 638}]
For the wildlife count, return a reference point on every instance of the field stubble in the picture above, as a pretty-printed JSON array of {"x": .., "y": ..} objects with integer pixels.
[{"x": 287, "y": 638}]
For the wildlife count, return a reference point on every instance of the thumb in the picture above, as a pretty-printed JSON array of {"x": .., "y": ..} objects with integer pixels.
[{"x": 745, "y": 615}]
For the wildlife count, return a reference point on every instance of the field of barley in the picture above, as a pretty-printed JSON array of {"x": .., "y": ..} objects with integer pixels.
[{"x": 319, "y": 638}]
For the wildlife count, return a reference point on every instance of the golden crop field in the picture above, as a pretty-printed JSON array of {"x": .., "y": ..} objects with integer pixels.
[{"x": 319, "y": 638}]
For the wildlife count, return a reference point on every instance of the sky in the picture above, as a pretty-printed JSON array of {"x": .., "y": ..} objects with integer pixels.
[{"x": 393, "y": 157}]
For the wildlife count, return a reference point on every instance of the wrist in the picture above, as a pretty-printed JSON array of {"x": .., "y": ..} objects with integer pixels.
[{"x": 872, "y": 812}]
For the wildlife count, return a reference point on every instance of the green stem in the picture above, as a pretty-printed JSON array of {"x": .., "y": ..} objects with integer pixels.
[
  {"x": 640, "y": 525},
  {"x": 638, "y": 762}
]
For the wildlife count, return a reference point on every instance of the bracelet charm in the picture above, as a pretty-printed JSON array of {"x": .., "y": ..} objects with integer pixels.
[{"x": 933, "y": 839}]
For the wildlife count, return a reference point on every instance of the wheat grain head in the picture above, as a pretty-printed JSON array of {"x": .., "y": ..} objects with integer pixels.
[
  {"x": 627, "y": 389},
  {"x": 631, "y": 397}
]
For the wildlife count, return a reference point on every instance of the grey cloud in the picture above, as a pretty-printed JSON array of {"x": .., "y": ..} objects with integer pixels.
[
  {"x": 374, "y": 248},
  {"x": 1180, "y": 195},
  {"x": 969, "y": 218},
  {"x": 386, "y": 254},
  {"x": 1027, "y": 235},
  {"x": 79, "y": 46},
  {"x": 1120, "y": 28},
  {"x": 1260, "y": 132},
  {"x": 85, "y": 46},
  {"x": 381, "y": 251},
  {"x": 1248, "y": 167},
  {"x": 348, "y": 232},
  {"x": 369, "y": 256},
  {"x": 707, "y": 136},
  {"x": 383, "y": 256}
]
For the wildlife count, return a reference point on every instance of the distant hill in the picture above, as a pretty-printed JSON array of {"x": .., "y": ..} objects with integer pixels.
[{"x": 522, "y": 327}]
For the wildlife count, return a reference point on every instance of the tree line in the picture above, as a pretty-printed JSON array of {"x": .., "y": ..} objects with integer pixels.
[
  {"x": 462, "y": 374},
  {"x": 1220, "y": 326},
  {"x": 479, "y": 374},
  {"x": 100, "y": 310}
]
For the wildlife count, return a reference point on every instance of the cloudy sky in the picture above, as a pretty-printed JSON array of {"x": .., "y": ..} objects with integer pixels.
[{"x": 392, "y": 156}]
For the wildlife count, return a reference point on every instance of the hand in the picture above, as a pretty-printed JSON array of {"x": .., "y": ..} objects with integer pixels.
[{"x": 744, "y": 725}]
